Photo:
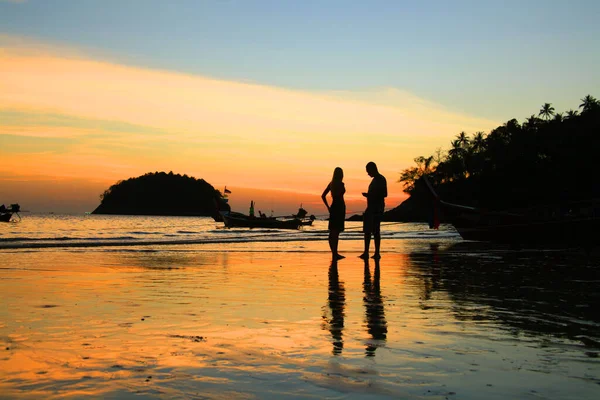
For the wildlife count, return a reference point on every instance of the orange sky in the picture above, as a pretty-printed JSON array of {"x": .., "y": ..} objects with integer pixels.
[{"x": 72, "y": 125}]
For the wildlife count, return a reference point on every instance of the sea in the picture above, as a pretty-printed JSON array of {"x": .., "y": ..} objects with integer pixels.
[
  {"x": 146, "y": 307},
  {"x": 38, "y": 231}
]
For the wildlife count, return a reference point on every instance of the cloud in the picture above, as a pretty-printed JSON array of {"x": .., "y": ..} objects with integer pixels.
[{"x": 124, "y": 121}]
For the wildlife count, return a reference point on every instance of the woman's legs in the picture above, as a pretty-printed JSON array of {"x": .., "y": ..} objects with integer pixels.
[
  {"x": 334, "y": 237},
  {"x": 333, "y": 241}
]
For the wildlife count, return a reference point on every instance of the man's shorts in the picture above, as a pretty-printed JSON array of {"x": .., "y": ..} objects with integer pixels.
[{"x": 372, "y": 222}]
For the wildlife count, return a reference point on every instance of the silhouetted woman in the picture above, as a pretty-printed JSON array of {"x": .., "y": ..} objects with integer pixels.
[{"x": 337, "y": 210}]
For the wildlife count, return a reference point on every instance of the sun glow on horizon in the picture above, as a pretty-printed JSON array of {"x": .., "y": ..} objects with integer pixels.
[{"x": 71, "y": 117}]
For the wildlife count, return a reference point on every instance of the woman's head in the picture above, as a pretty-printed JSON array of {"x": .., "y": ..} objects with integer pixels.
[{"x": 338, "y": 174}]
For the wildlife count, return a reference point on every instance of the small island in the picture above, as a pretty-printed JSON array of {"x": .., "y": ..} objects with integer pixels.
[{"x": 161, "y": 193}]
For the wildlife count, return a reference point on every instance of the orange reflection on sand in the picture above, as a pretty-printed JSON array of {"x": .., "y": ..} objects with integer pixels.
[{"x": 181, "y": 319}]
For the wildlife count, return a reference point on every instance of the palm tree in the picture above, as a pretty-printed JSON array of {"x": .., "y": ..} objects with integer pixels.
[
  {"x": 531, "y": 122},
  {"x": 546, "y": 111},
  {"x": 558, "y": 117},
  {"x": 589, "y": 102},
  {"x": 456, "y": 150},
  {"x": 478, "y": 142},
  {"x": 571, "y": 114},
  {"x": 462, "y": 139},
  {"x": 474, "y": 159}
]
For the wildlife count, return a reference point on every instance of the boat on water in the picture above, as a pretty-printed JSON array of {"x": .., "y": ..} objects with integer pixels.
[
  {"x": 302, "y": 215},
  {"x": 233, "y": 219},
  {"x": 306, "y": 222},
  {"x": 239, "y": 220},
  {"x": 567, "y": 225},
  {"x": 6, "y": 213}
]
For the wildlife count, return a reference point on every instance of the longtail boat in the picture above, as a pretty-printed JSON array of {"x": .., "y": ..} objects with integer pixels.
[
  {"x": 238, "y": 220},
  {"x": 6, "y": 213},
  {"x": 572, "y": 224}
]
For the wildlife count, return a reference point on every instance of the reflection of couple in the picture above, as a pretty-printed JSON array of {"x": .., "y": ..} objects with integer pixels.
[
  {"x": 373, "y": 303},
  {"x": 371, "y": 218}
]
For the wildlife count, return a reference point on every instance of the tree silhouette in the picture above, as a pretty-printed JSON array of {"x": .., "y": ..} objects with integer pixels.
[
  {"x": 571, "y": 114},
  {"x": 478, "y": 142},
  {"x": 532, "y": 122},
  {"x": 589, "y": 103},
  {"x": 516, "y": 165},
  {"x": 463, "y": 139},
  {"x": 546, "y": 111}
]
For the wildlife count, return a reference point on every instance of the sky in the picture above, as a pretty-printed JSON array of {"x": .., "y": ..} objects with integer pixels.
[{"x": 268, "y": 97}]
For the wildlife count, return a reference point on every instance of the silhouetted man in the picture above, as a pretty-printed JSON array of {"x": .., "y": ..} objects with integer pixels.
[{"x": 374, "y": 212}]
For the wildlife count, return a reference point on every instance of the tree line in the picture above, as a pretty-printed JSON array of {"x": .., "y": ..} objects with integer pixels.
[{"x": 549, "y": 158}]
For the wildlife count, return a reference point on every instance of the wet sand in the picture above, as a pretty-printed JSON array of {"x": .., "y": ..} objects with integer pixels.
[{"x": 430, "y": 320}]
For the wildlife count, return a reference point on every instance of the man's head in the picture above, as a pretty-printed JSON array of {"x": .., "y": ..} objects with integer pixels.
[{"x": 372, "y": 169}]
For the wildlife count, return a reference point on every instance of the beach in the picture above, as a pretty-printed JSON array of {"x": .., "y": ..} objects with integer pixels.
[
  {"x": 185, "y": 189},
  {"x": 435, "y": 319}
]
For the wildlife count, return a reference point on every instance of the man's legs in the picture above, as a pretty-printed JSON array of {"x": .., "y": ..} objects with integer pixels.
[
  {"x": 377, "y": 235},
  {"x": 365, "y": 253},
  {"x": 377, "y": 240},
  {"x": 367, "y": 229}
]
